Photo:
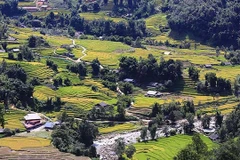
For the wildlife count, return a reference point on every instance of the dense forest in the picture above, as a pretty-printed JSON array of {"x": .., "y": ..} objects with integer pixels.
[{"x": 216, "y": 21}]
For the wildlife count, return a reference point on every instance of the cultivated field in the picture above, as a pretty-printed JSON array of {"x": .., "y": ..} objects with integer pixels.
[
  {"x": 166, "y": 148},
  {"x": 118, "y": 128},
  {"x": 18, "y": 143},
  {"x": 13, "y": 119}
]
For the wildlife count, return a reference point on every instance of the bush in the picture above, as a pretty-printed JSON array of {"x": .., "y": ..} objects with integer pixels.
[{"x": 173, "y": 132}]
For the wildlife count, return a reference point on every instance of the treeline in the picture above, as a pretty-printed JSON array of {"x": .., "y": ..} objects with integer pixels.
[
  {"x": 10, "y": 8},
  {"x": 230, "y": 127},
  {"x": 228, "y": 149},
  {"x": 14, "y": 86},
  {"x": 137, "y": 8},
  {"x": 149, "y": 70},
  {"x": 216, "y": 20},
  {"x": 75, "y": 137},
  {"x": 100, "y": 27},
  {"x": 214, "y": 84}
]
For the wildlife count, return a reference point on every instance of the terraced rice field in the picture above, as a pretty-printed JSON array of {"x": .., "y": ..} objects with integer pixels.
[
  {"x": 145, "y": 102},
  {"x": 78, "y": 96},
  {"x": 229, "y": 72},
  {"x": 13, "y": 119},
  {"x": 154, "y": 21},
  {"x": 225, "y": 109},
  {"x": 71, "y": 76},
  {"x": 118, "y": 128},
  {"x": 102, "y": 46},
  {"x": 18, "y": 143},
  {"x": 166, "y": 148},
  {"x": 99, "y": 15},
  {"x": 36, "y": 69}
]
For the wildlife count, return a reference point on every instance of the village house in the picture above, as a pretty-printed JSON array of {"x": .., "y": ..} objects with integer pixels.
[
  {"x": 153, "y": 94},
  {"x": 101, "y": 105},
  {"x": 208, "y": 66},
  {"x": 49, "y": 125},
  {"x": 31, "y": 9},
  {"x": 129, "y": 80},
  {"x": 32, "y": 120},
  {"x": 214, "y": 136},
  {"x": 16, "y": 50}
]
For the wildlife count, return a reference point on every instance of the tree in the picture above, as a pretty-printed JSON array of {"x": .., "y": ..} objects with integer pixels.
[
  {"x": 206, "y": 121},
  {"x": 95, "y": 67},
  {"x": 130, "y": 151},
  {"x": 4, "y": 45},
  {"x": 153, "y": 130},
  {"x": 119, "y": 147},
  {"x": 211, "y": 78},
  {"x": 195, "y": 151},
  {"x": 2, "y": 120},
  {"x": 88, "y": 132},
  {"x": 143, "y": 133},
  {"x": 10, "y": 56},
  {"x": 219, "y": 119},
  {"x": 67, "y": 82},
  {"x": 217, "y": 51},
  {"x": 32, "y": 41},
  {"x": 190, "y": 119},
  {"x": 193, "y": 73},
  {"x": 96, "y": 7},
  {"x": 127, "y": 88},
  {"x": 156, "y": 109}
]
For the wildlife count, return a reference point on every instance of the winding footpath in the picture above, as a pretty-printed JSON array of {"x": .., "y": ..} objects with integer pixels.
[{"x": 70, "y": 59}]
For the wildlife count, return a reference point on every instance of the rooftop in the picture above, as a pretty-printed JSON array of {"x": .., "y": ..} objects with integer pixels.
[
  {"x": 49, "y": 125},
  {"x": 32, "y": 116},
  {"x": 152, "y": 92}
]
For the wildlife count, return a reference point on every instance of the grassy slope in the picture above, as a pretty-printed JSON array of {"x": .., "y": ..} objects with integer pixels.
[{"x": 166, "y": 148}]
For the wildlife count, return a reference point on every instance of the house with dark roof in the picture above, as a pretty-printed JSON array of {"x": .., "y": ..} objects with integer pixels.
[
  {"x": 102, "y": 105},
  {"x": 208, "y": 66},
  {"x": 214, "y": 136}
]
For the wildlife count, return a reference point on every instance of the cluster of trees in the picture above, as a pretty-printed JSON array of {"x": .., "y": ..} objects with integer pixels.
[
  {"x": 172, "y": 111},
  {"x": 108, "y": 113},
  {"x": 109, "y": 78},
  {"x": 60, "y": 82},
  {"x": 148, "y": 70},
  {"x": 137, "y": 8},
  {"x": 52, "y": 65},
  {"x": 78, "y": 68},
  {"x": 25, "y": 53},
  {"x": 36, "y": 41},
  {"x": 10, "y": 8},
  {"x": 214, "y": 84},
  {"x": 216, "y": 21},
  {"x": 51, "y": 104},
  {"x": 14, "y": 86},
  {"x": 193, "y": 73},
  {"x": 230, "y": 127},
  {"x": 233, "y": 57},
  {"x": 120, "y": 148},
  {"x": 75, "y": 137},
  {"x": 97, "y": 27},
  {"x": 195, "y": 151}
]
